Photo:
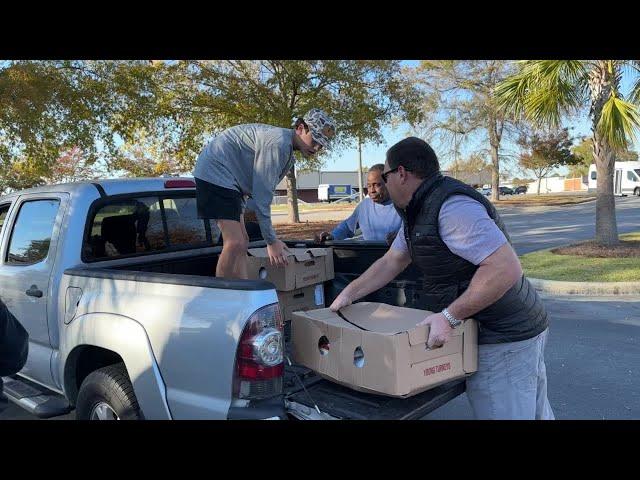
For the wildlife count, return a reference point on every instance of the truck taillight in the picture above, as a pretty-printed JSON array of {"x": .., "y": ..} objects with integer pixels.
[{"x": 260, "y": 355}]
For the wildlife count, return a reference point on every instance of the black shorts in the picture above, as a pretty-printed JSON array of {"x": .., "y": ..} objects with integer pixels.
[{"x": 217, "y": 202}]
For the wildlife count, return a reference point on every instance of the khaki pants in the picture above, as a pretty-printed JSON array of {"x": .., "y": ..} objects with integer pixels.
[{"x": 511, "y": 381}]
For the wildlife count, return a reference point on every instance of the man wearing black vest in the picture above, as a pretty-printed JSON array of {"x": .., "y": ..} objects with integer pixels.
[{"x": 456, "y": 237}]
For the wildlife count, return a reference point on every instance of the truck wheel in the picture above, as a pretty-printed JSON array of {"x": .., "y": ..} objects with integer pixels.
[
  {"x": 636, "y": 192},
  {"x": 107, "y": 394}
]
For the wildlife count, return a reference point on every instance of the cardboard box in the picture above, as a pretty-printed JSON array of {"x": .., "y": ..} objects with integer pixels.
[
  {"x": 302, "y": 299},
  {"x": 307, "y": 266},
  {"x": 378, "y": 348}
]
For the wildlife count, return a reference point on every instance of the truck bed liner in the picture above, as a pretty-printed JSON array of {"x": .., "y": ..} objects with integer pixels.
[{"x": 345, "y": 403}]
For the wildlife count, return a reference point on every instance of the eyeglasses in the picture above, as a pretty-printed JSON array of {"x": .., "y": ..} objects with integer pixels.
[{"x": 385, "y": 174}]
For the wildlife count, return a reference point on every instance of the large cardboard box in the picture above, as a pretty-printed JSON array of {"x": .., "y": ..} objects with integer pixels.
[
  {"x": 307, "y": 266},
  {"x": 302, "y": 299},
  {"x": 377, "y": 348}
]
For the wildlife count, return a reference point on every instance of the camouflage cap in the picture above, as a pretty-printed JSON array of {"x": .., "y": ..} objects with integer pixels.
[{"x": 321, "y": 126}]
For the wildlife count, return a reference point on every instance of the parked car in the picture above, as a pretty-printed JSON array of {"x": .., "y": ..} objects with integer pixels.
[
  {"x": 505, "y": 191},
  {"x": 521, "y": 189},
  {"x": 114, "y": 282}
]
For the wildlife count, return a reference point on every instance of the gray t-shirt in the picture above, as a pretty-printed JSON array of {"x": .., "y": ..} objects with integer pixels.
[
  {"x": 466, "y": 229},
  {"x": 251, "y": 159}
]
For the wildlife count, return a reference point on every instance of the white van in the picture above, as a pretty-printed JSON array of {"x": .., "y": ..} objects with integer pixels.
[{"x": 626, "y": 178}]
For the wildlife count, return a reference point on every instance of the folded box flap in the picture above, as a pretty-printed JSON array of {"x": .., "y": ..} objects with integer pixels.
[
  {"x": 258, "y": 252},
  {"x": 303, "y": 255},
  {"x": 318, "y": 252},
  {"x": 383, "y": 318}
]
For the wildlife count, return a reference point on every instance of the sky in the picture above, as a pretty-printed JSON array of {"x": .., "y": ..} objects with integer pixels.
[{"x": 347, "y": 159}]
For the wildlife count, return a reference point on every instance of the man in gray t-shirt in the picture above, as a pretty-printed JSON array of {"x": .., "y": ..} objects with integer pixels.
[
  {"x": 466, "y": 229},
  {"x": 469, "y": 269},
  {"x": 247, "y": 162}
]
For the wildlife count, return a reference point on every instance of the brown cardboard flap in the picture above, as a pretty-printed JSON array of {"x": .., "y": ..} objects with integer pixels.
[
  {"x": 317, "y": 252},
  {"x": 383, "y": 318},
  {"x": 418, "y": 335},
  {"x": 258, "y": 252}
]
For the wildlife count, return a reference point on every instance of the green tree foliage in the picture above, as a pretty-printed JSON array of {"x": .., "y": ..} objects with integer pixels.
[
  {"x": 153, "y": 117},
  {"x": 543, "y": 91},
  {"x": 202, "y": 97},
  {"x": 545, "y": 151},
  {"x": 51, "y": 107}
]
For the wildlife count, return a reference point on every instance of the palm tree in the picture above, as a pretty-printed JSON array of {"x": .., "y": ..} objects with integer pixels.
[{"x": 543, "y": 90}]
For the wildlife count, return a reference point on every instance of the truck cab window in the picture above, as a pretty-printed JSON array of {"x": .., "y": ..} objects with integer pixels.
[
  {"x": 133, "y": 226},
  {"x": 32, "y": 232},
  {"x": 183, "y": 224},
  {"x": 126, "y": 227}
]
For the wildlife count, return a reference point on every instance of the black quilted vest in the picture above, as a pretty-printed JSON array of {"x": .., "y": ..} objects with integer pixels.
[{"x": 517, "y": 316}]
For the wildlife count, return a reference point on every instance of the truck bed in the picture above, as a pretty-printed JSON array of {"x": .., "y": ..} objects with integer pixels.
[
  {"x": 306, "y": 390},
  {"x": 344, "y": 403}
]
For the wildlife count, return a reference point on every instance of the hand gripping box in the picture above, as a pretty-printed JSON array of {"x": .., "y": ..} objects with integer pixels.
[
  {"x": 307, "y": 266},
  {"x": 377, "y": 348}
]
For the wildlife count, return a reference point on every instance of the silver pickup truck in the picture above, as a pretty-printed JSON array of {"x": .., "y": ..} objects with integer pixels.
[{"x": 114, "y": 282}]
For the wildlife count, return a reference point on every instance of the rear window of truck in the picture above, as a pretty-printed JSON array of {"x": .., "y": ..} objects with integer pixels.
[{"x": 142, "y": 225}]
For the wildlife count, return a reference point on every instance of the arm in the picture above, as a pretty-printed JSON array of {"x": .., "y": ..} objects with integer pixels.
[
  {"x": 470, "y": 233},
  {"x": 267, "y": 168},
  {"x": 495, "y": 275},
  {"x": 346, "y": 228},
  {"x": 377, "y": 276}
]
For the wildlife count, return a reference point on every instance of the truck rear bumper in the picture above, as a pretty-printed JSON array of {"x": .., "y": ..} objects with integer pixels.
[{"x": 267, "y": 409}]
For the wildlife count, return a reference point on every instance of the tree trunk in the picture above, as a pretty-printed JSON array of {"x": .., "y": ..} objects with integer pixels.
[
  {"x": 494, "y": 141},
  {"x": 292, "y": 196},
  {"x": 600, "y": 83},
  {"x": 539, "y": 184},
  {"x": 495, "y": 173},
  {"x": 606, "y": 224}
]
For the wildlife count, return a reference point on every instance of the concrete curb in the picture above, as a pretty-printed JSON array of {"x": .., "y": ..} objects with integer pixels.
[
  {"x": 556, "y": 287},
  {"x": 527, "y": 204}
]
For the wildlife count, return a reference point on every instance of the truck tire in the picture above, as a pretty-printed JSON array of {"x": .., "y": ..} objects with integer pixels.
[
  {"x": 107, "y": 394},
  {"x": 636, "y": 192}
]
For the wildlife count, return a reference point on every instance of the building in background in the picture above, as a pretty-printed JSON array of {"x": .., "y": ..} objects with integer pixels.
[
  {"x": 558, "y": 184},
  {"x": 308, "y": 182}
]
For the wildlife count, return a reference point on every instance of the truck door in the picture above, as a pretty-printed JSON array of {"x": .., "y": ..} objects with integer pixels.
[{"x": 28, "y": 254}]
